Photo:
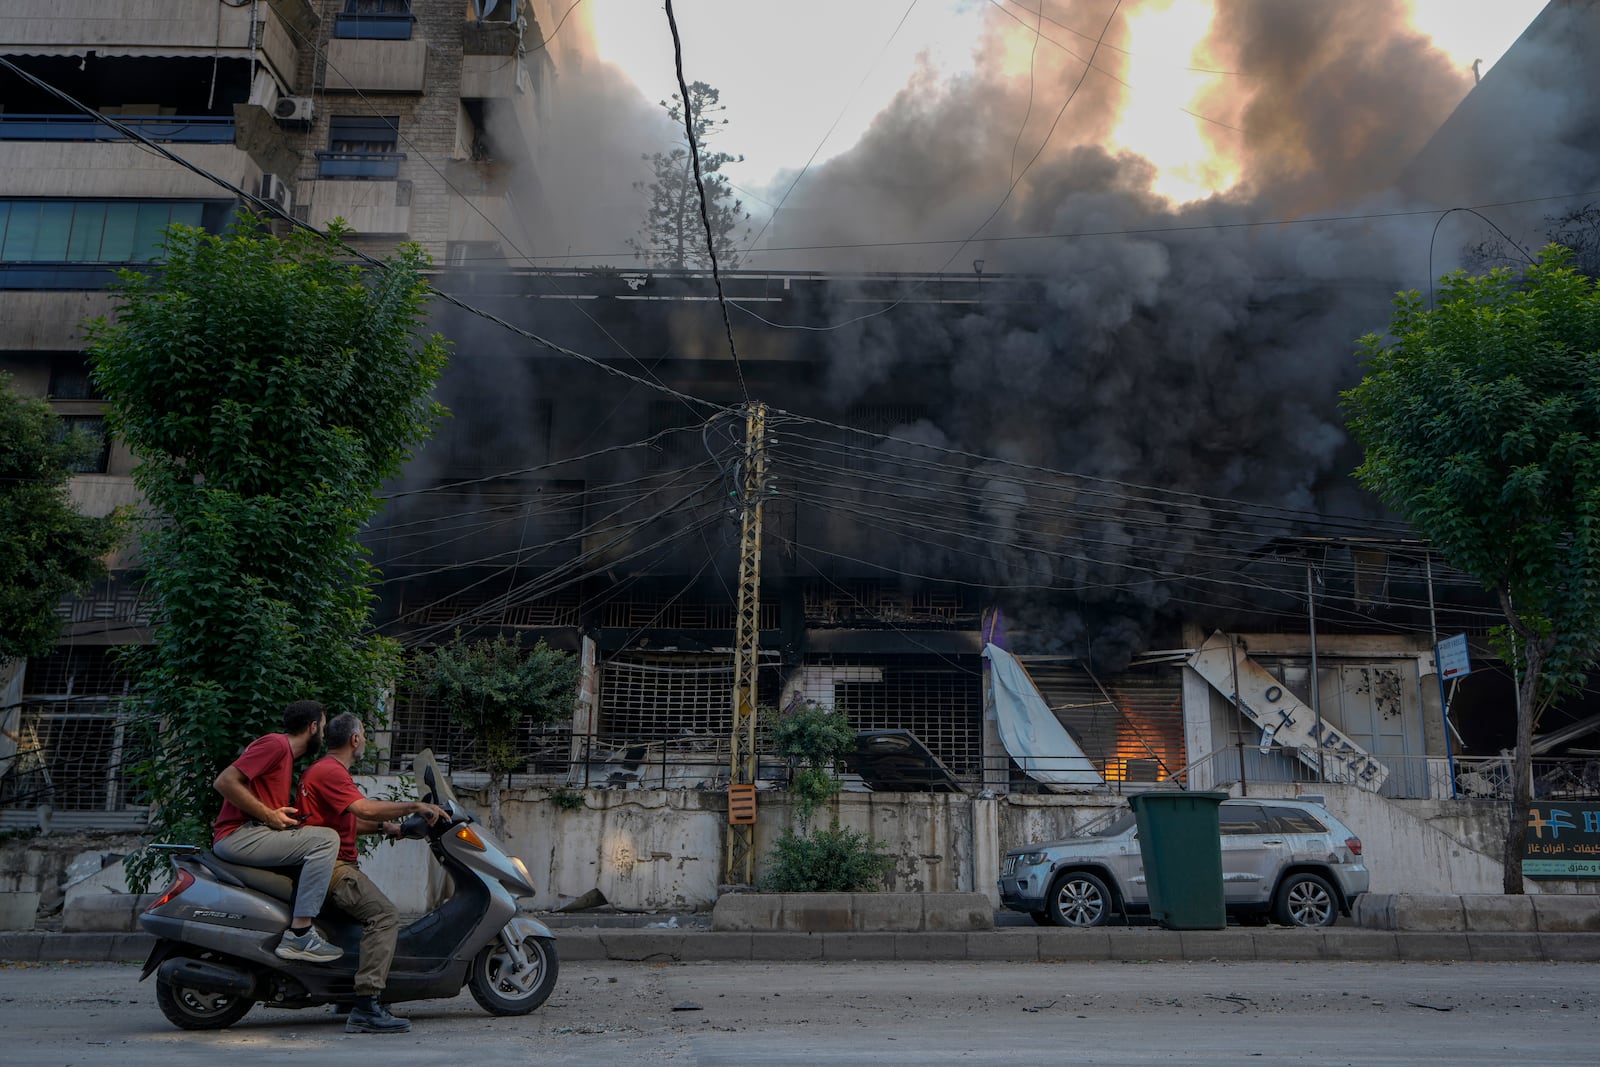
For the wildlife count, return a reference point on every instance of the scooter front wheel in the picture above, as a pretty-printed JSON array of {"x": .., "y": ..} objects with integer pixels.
[
  {"x": 503, "y": 986},
  {"x": 198, "y": 1009}
]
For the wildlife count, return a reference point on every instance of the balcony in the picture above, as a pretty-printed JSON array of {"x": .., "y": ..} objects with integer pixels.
[
  {"x": 376, "y": 66},
  {"x": 374, "y": 27},
  {"x": 191, "y": 129},
  {"x": 331, "y": 164},
  {"x": 501, "y": 34},
  {"x": 370, "y": 208},
  {"x": 76, "y": 168},
  {"x": 201, "y": 28}
]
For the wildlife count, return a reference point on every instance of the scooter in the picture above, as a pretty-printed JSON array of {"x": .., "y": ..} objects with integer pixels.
[{"x": 218, "y": 924}]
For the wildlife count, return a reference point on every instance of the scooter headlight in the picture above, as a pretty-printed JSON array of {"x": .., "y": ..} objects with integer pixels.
[{"x": 522, "y": 869}]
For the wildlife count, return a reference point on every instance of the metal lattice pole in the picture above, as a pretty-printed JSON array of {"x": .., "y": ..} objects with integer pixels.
[{"x": 740, "y": 852}]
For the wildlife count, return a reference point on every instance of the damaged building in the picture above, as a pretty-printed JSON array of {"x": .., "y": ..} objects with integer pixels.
[{"x": 1052, "y": 523}]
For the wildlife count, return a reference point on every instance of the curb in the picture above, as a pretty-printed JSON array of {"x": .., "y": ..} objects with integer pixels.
[{"x": 1010, "y": 944}]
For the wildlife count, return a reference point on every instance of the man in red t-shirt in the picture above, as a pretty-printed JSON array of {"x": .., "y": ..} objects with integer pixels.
[
  {"x": 330, "y": 798},
  {"x": 258, "y": 828}
]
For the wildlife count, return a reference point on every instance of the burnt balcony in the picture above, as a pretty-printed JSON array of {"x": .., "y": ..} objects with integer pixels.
[{"x": 500, "y": 33}]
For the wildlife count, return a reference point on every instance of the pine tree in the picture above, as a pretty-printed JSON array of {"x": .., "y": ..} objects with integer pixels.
[{"x": 673, "y": 234}]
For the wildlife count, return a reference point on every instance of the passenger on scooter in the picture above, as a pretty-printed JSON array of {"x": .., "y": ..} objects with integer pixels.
[
  {"x": 257, "y": 827},
  {"x": 330, "y": 798}
]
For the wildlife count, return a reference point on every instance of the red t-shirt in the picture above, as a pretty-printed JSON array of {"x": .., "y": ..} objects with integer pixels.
[
  {"x": 326, "y": 793},
  {"x": 267, "y": 764}
]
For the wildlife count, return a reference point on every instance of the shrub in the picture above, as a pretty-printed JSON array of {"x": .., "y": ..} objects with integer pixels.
[{"x": 835, "y": 860}]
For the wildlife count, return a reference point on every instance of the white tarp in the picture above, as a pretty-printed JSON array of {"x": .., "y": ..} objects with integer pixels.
[{"x": 1029, "y": 729}]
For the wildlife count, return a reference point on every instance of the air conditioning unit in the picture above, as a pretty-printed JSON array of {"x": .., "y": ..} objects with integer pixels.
[
  {"x": 293, "y": 110},
  {"x": 275, "y": 191}
]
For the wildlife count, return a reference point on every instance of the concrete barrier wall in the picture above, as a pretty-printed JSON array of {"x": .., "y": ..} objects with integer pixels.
[
  {"x": 660, "y": 850},
  {"x": 1478, "y": 913}
]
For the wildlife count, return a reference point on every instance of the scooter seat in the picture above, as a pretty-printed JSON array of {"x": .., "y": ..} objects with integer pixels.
[{"x": 278, "y": 882}]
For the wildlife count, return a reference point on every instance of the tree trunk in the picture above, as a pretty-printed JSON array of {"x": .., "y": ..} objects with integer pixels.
[
  {"x": 496, "y": 823},
  {"x": 1522, "y": 771}
]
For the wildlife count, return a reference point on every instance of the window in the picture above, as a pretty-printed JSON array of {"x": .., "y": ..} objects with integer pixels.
[
  {"x": 478, "y": 255},
  {"x": 375, "y": 20},
  {"x": 93, "y": 426},
  {"x": 94, "y": 231},
  {"x": 1238, "y": 819},
  {"x": 70, "y": 379},
  {"x": 362, "y": 146},
  {"x": 1295, "y": 821}
]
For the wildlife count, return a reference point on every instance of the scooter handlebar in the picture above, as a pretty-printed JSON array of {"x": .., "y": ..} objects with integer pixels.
[
  {"x": 418, "y": 827},
  {"x": 415, "y": 827}
]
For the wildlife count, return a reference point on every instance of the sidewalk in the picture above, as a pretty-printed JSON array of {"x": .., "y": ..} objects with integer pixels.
[{"x": 1020, "y": 944}]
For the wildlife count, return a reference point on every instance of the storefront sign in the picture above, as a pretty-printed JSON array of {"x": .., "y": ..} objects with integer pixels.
[
  {"x": 1563, "y": 841},
  {"x": 1451, "y": 656}
]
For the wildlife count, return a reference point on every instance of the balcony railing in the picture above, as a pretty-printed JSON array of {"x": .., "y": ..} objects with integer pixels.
[
  {"x": 197, "y": 129},
  {"x": 359, "y": 164},
  {"x": 374, "y": 27}
]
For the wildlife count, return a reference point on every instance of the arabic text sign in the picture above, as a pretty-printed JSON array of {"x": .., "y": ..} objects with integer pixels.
[
  {"x": 1451, "y": 656},
  {"x": 1563, "y": 841}
]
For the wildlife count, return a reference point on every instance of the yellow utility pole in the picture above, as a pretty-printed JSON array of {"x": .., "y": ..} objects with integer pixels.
[{"x": 739, "y": 856}]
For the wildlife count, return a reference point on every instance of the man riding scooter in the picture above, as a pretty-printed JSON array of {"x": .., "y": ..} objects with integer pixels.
[
  {"x": 330, "y": 798},
  {"x": 259, "y": 828}
]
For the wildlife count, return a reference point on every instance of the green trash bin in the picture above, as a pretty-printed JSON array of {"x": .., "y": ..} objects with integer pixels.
[{"x": 1181, "y": 846}]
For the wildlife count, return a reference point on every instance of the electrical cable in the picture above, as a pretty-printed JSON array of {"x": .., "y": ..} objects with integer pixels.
[
  {"x": 705, "y": 218},
  {"x": 784, "y": 199},
  {"x": 271, "y": 210}
]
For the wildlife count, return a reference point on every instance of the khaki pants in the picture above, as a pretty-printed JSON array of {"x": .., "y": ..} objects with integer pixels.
[{"x": 356, "y": 895}]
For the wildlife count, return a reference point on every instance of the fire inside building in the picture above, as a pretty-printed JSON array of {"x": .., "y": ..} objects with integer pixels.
[{"x": 1034, "y": 530}]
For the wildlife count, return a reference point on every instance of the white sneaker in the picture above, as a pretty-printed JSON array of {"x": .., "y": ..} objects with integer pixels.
[{"x": 308, "y": 946}]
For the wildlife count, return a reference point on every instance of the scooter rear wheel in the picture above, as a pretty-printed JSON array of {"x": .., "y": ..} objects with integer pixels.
[
  {"x": 198, "y": 1009},
  {"x": 500, "y": 989}
]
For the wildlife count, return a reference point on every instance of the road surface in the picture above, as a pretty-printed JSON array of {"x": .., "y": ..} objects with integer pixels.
[{"x": 879, "y": 1013}]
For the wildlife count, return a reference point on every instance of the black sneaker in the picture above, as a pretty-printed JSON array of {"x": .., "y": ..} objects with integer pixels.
[
  {"x": 367, "y": 1016},
  {"x": 308, "y": 946}
]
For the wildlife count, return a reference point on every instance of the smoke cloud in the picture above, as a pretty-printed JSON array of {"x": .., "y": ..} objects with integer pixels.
[{"x": 1198, "y": 349}]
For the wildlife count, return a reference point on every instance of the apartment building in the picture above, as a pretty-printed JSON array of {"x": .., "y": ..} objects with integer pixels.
[{"x": 412, "y": 121}]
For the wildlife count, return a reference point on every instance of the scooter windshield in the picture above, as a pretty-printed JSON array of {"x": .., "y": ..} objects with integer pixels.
[{"x": 432, "y": 783}]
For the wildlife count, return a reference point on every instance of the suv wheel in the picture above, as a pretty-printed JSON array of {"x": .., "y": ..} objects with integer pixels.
[
  {"x": 1079, "y": 899},
  {"x": 1307, "y": 900}
]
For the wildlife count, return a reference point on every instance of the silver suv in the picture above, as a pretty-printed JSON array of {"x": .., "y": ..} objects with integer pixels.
[{"x": 1285, "y": 859}]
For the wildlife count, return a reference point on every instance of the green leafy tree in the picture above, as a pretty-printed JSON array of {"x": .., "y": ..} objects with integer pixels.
[
  {"x": 1481, "y": 423},
  {"x": 674, "y": 235},
  {"x": 47, "y": 549},
  {"x": 269, "y": 388},
  {"x": 490, "y": 687},
  {"x": 814, "y": 738}
]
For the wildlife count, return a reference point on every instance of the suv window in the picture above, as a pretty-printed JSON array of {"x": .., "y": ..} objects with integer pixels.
[
  {"x": 1235, "y": 819},
  {"x": 1296, "y": 821}
]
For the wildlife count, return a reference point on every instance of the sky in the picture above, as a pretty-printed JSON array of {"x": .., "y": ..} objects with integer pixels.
[{"x": 808, "y": 78}]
